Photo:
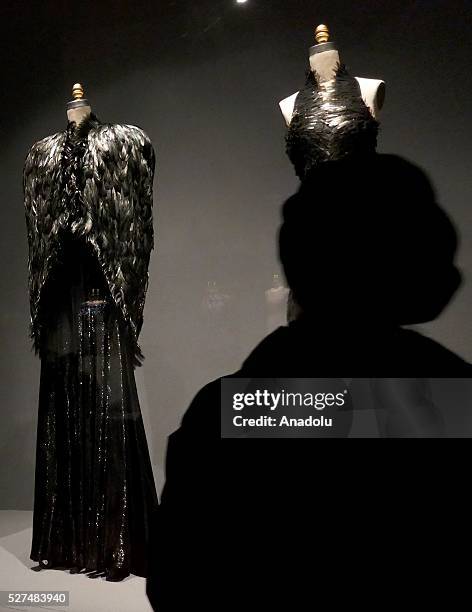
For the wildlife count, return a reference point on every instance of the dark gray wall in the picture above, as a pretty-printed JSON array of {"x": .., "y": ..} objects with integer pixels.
[{"x": 204, "y": 79}]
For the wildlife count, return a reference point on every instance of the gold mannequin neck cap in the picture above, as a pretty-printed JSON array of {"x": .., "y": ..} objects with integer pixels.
[{"x": 322, "y": 34}]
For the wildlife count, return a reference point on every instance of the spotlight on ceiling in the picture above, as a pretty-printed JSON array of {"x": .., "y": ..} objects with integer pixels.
[{"x": 241, "y": 1}]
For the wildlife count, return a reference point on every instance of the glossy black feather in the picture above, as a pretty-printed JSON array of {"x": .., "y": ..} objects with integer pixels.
[
  {"x": 95, "y": 181},
  {"x": 330, "y": 121}
]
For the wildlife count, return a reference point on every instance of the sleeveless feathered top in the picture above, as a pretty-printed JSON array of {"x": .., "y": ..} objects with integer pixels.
[{"x": 330, "y": 121}]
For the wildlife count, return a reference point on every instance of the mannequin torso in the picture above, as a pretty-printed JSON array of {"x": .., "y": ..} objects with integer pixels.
[{"x": 324, "y": 59}]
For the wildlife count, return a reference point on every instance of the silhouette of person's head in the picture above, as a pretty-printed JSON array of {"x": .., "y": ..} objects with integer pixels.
[{"x": 364, "y": 240}]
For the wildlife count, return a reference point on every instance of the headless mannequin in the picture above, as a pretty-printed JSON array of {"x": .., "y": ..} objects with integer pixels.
[
  {"x": 403, "y": 406},
  {"x": 79, "y": 108},
  {"x": 324, "y": 60}
]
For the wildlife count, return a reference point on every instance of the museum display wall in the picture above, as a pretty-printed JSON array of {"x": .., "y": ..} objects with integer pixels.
[{"x": 204, "y": 81}]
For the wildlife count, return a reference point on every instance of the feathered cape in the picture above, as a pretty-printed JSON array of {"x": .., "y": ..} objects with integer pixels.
[{"x": 94, "y": 180}]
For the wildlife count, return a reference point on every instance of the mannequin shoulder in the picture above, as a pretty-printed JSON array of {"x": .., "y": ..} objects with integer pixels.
[
  {"x": 372, "y": 92},
  {"x": 48, "y": 148},
  {"x": 287, "y": 105},
  {"x": 122, "y": 131},
  {"x": 109, "y": 135}
]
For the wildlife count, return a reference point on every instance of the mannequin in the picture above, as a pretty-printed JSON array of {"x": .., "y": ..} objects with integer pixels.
[
  {"x": 317, "y": 116},
  {"x": 79, "y": 108},
  {"x": 88, "y": 193},
  {"x": 403, "y": 407},
  {"x": 324, "y": 59}
]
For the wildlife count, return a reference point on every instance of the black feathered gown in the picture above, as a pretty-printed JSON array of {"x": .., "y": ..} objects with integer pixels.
[{"x": 94, "y": 488}]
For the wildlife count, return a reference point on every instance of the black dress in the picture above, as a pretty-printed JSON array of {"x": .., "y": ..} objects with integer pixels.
[{"x": 94, "y": 487}]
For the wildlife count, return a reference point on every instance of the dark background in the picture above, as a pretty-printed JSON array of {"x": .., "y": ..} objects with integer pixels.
[{"x": 204, "y": 80}]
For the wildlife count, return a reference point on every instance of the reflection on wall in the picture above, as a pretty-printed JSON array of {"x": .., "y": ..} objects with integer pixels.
[{"x": 276, "y": 304}]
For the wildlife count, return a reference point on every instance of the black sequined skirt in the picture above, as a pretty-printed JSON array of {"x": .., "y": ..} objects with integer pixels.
[{"x": 94, "y": 488}]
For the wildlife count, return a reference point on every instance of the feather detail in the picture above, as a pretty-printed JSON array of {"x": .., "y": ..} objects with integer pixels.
[
  {"x": 330, "y": 121},
  {"x": 95, "y": 180}
]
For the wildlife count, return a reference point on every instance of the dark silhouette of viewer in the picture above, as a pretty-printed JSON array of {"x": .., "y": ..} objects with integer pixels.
[{"x": 366, "y": 250}]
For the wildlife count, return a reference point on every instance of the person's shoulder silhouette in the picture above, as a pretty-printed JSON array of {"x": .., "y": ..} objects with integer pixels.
[{"x": 366, "y": 250}]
